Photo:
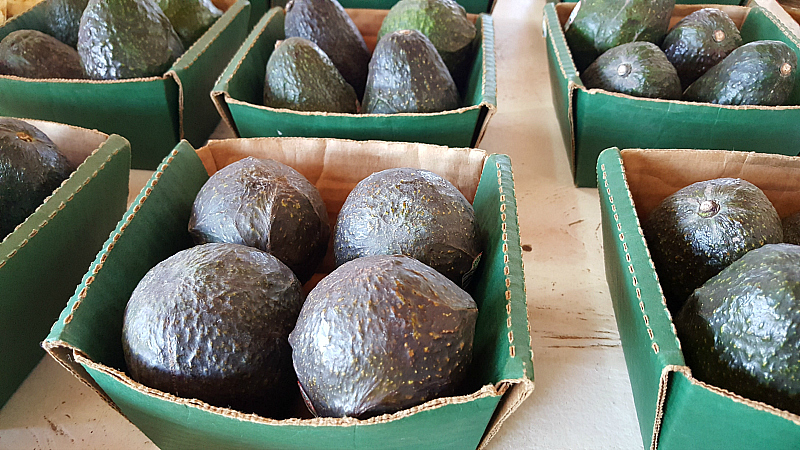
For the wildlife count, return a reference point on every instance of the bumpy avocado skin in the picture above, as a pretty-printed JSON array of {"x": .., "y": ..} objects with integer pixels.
[
  {"x": 121, "y": 39},
  {"x": 33, "y": 54},
  {"x": 380, "y": 334},
  {"x": 699, "y": 230},
  {"x": 637, "y": 68},
  {"x": 212, "y": 322},
  {"x": 407, "y": 75},
  {"x": 757, "y": 73},
  {"x": 598, "y": 25},
  {"x": 64, "y": 19},
  {"x": 31, "y": 168},
  {"x": 300, "y": 76},
  {"x": 791, "y": 229},
  {"x": 190, "y": 18},
  {"x": 741, "y": 330},
  {"x": 267, "y": 205},
  {"x": 412, "y": 212},
  {"x": 699, "y": 41},
  {"x": 325, "y": 23}
]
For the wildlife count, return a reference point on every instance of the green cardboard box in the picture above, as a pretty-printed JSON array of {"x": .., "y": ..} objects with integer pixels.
[
  {"x": 594, "y": 119},
  {"x": 44, "y": 258},
  {"x": 676, "y": 410},
  {"x": 152, "y": 113},
  {"x": 86, "y": 338},
  {"x": 683, "y": 2},
  {"x": 239, "y": 95},
  {"x": 471, "y": 6}
]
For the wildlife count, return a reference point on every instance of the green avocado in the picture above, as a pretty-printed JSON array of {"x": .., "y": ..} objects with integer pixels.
[
  {"x": 325, "y": 23},
  {"x": 33, "y": 54},
  {"x": 740, "y": 331},
  {"x": 31, "y": 168},
  {"x": 412, "y": 212},
  {"x": 190, "y": 18},
  {"x": 757, "y": 73},
  {"x": 699, "y": 230},
  {"x": 300, "y": 76},
  {"x": 212, "y": 323},
  {"x": 598, "y": 25},
  {"x": 380, "y": 334},
  {"x": 407, "y": 75},
  {"x": 121, "y": 39},
  {"x": 63, "y": 18},
  {"x": 267, "y": 205},
  {"x": 637, "y": 68},
  {"x": 791, "y": 228},
  {"x": 699, "y": 41}
]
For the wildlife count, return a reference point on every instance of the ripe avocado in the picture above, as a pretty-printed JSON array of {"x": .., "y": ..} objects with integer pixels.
[
  {"x": 33, "y": 54},
  {"x": 407, "y": 75},
  {"x": 126, "y": 39},
  {"x": 212, "y": 322},
  {"x": 637, "y": 68},
  {"x": 190, "y": 18},
  {"x": 740, "y": 331},
  {"x": 412, "y": 212},
  {"x": 63, "y": 18},
  {"x": 699, "y": 41},
  {"x": 791, "y": 229},
  {"x": 300, "y": 76},
  {"x": 380, "y": 334},
  {"x": 267, "y": 205},
  {"x": 702, "y": 228},
  {"x": 31, "y": 168},
  {"x": 598, "y": 25},
  {"x": 757, "y": 73},
  {"x": 325, "y": 23}
]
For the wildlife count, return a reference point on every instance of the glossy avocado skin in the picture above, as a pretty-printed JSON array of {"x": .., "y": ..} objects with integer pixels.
[
  {"x": 381, "y": 334},
  {"x": 212, "y": 322},
  {"x": 598, "y": 25},
  {"x": 190, "y": 18},
  {"x": 791, "y": 228},
  {"x": 757, "y": 73},
  {"x": 300, "y": 76},
  {"x": 740, "y": 331},
  {"x": 121, "y": 39},
  {"x": 64, "y": 19},
  {"x": 637, "y": 68},
  {"x": 699, "y": 41},
  {"x": 33, "y": 54},
  {"x": 267, "y": 205},
  {"x": 699, "y": 230},
  {"x": 407, "y": 75},
  {"x": 326, "y": 23},
  {"x": 31, "y": 168}
]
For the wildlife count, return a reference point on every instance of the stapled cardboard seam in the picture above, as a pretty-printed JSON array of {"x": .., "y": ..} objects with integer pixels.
[
  {"x": 663, "y": 384},
  {"x": 556, "y": 50},
  {"x": 254, "y": 38}
]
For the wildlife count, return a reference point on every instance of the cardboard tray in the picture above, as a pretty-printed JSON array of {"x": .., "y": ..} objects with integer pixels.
[
  {"x": 238, "y": 95},
  {"x": 676, "y": 410},
  {"x": 594, "y": 119},
  {"x": 152, "y": 113},
  {"x": 86, "y": 338},
  {"x": 44, "y": 258}
]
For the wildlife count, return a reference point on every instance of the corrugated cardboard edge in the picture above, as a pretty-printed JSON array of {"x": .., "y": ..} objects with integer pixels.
[
  {"x": 515, "y": 392},
  {"x": 489, "y": 85},
  {"x": 663, "y": 384},
  {"x": 786, "y": 20}
]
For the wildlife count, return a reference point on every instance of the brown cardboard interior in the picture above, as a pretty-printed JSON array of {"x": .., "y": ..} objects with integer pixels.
[{"x": 75, "y": 143}]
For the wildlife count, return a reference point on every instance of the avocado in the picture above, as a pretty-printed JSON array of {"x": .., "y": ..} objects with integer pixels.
[
  {"x": 121, "y": 39},
  {"x": 740, "y": 331},
  {"x": 413, "y": 212},
  {"x": 699, "y": 41},
  {"x": 444, "y": 22},
  {"x": 757, "y": 73},
  {"x": 699, "y": 230},
  {"x": 381, "y": 334},
  {"x": 190, "y": 18},
  {"x": 791, "y": 228},
  {"x": 325, "y": 23},
  {"x": 407, "y": 75},
  {"x": 637, "y": 68},
  {"x": 267, "y": 205},
  {"x": 211, "y": 322},
  {"x": 300, "y": 76},
  {"x": 63, "y": 18},
  {"x": 595, "y": 26},
  {"x": 33, "y": 54},
  {"x": 31, "y": 168}
]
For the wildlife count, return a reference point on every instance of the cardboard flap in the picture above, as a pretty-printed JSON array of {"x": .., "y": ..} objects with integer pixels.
[{"x": 516, "y": 393}]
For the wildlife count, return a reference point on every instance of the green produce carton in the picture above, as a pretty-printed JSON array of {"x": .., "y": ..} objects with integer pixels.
[
  {"x": 681, "y": 2},
  {"x": 676, "y": 410},
  {"x": 86, "y": 339},
  {"x": 594, "y": 119},
  {"x": 44, "y": 258},
  {"x": 471, "y": 6},
  {"x": 239, "y": 95},
  {"x": 152, "y": 113}
]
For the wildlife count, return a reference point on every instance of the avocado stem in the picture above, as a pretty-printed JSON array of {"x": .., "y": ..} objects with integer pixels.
[
  {"x": 786, "y": 69},
  {"x": 708, "y": 208},
  {"x": 624, "y": 70},
  {"x": 719, "y": 35},
  {"x": 25, "y": 136}
]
